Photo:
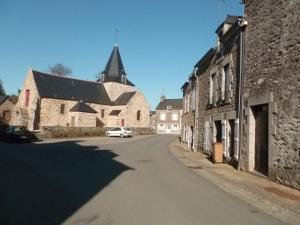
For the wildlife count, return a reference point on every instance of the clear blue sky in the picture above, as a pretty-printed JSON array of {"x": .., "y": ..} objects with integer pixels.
[{"x": 159, "y": 40}]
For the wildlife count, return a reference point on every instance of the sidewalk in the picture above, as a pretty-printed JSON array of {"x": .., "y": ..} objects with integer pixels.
[{"x": 280, "y": 201}]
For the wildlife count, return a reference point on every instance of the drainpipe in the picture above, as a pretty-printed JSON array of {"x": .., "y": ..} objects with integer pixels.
[
  {"x": 195, "y": 115},
  {"x": 242, "y": 23}
]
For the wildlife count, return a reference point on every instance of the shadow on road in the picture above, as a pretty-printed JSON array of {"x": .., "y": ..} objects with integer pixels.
[{"x": 46, "y": 183}]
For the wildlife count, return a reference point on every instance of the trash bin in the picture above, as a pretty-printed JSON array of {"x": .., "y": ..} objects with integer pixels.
[{"x": 218, "y": 152}]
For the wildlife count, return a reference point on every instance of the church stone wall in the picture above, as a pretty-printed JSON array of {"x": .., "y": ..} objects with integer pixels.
[
  {"x": 114, "y": 90},
  {"x": 24, "y": 115}
]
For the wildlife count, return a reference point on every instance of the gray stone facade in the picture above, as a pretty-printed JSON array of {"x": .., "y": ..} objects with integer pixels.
[
  {"x": 218, "y": 96},
  {"x": 211, "y": 95},
  {"x": 189, "y": 129},
  {"x": 168, "y": 116},
  {"x": 272, "y": 90}
]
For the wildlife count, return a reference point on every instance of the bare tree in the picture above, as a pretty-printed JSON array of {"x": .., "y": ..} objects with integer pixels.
[
  {"x": 2, "y": 91},
  {"x": 60, "y": 69}
]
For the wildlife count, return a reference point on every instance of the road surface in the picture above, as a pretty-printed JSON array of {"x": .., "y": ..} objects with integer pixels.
[{"x": 112, "y": 181}]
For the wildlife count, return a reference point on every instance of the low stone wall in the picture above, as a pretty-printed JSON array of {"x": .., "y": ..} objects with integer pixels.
[
  {"x": 142, "y": 131},
  {"x": 59, "y": 132}
]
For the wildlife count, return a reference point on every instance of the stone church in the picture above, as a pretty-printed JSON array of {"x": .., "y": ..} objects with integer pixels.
[{"x": 49, "y": 100}]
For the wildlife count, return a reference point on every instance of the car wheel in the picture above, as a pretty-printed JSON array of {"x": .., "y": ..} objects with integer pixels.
[
  {"x": 121, "y": 135},
  {"x": 107, "y": 135}
]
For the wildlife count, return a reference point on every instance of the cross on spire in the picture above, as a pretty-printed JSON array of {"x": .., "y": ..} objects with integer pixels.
[{"x": 116, "y": 36}]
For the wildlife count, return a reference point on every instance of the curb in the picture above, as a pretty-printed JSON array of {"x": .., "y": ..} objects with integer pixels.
[{"x": 277, "y": 200}]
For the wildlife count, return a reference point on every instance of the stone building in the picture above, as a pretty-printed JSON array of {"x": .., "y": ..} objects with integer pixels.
[
  {"x": 212, "y": 92},
  {"x": 189, "y": 129},
  {"x": 7, "y": 106},
  {"x": 271, "y": 92},
  {"x": 219, "y": 92},
  {"x": 49, "y": 100},
  {"x": 168, "y": 116}
]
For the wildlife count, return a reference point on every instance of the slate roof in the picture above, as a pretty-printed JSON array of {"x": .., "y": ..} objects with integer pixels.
[
  {"x": 124, "y": 98},
  {"x": 114, "y": 112},
  {"x": 205, "y": 61},
  {"x": 82, "y": 107},
  {"x": 57, "y": 87},
  {"x": 114, "y": 68},
  {"x": 3, "y": 98},
  {"x": 230, "y": 19},
  {"x": 175, "y": 103},
  {"x": 13, "y": 99}
]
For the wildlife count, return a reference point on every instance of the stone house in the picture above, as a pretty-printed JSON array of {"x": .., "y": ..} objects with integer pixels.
[
  {"x": 219, "y": 92},
  {"x": 271, "y": 93},
  {"x": 49, "y": 100},
  {"x": 168, "y": 116},
  {"x": 188, "y": 121},
  {"x": 153, "y": 120},
  {"x": 215, "y": 81},
  {"x": 7, "y": 106}
]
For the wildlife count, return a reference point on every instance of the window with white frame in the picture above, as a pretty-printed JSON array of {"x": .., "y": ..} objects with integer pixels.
[
  {"x": 161, "y": 126},
  {"x": 193, "y": 96},
  {"x": 175, "y": 127},
  {"x": 175, "y": 116},
  {"x": 186, "y": 103},
  {"x": 162, "y": 116},
  {"x": 213, "y": 92}
]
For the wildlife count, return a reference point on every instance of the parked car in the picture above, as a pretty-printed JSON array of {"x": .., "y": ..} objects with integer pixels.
[
  {"x": 15, "y": 134},
  {"x": 119, "y": 132}
]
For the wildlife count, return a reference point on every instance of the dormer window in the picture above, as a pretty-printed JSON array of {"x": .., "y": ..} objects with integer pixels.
[
  {"x": 123, "y": 79},
  {"x": 169, "y": 107},
  {"x": 102, "y": 77}
]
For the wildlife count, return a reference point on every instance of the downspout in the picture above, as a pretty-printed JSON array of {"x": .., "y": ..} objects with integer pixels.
[
  {"x": 242, "y": 23},
  {"x": 195, "y": 116}
]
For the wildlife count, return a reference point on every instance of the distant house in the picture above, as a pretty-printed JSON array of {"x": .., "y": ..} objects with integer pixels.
[
  {"x": 113, "y": 100},
  {"x": 7, "y": 106},
  {"x": 189, "y": 125},
  {"x": 153, "y": 120},
  {"x": 168, "y": 116}
]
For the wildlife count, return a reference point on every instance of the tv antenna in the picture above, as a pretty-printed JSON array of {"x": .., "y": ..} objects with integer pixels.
[{"x": 220, "y": 8}]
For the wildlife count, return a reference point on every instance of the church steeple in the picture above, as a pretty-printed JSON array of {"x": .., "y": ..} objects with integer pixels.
[{"x": 114, "y": 69}]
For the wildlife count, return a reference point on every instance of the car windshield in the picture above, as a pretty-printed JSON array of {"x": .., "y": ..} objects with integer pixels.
[
  {"x": 127, "y": 129},
  {"x": 16, "y": 129}
]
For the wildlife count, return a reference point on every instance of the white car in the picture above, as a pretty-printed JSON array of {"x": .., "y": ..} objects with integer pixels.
[{"x": 119, "y": 132}]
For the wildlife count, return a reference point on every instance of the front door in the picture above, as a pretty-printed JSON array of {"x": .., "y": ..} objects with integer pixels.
[
  {"x": 168, "y": 129},
  {"x": 261, "y": 138}
]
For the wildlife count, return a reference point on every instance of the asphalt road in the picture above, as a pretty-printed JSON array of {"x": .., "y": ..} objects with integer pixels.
[{"x": 111, "y": 181}]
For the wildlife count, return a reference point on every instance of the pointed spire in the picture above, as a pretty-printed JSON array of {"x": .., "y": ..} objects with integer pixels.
[{"x": 114, "y": 69}]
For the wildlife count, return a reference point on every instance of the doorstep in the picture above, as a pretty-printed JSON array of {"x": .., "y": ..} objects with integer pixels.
[{"x": 278, "y": 200}]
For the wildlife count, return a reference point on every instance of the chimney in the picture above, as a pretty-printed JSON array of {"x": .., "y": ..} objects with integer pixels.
[{"x": 162, "y": 98}]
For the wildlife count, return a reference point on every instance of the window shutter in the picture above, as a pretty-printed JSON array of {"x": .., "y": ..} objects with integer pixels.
[
  {"x": 210, "y": 89},
  {"x": 216, "y": 88},
  {"x": 214, "y": 133},
  {"x": 222, "y": 84},
  {"x": 224, "y": 139},
  {"x": 228, "y": 138},
  {"x": 236, "y": 139},
  {"x": 205, "y": 143}
]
